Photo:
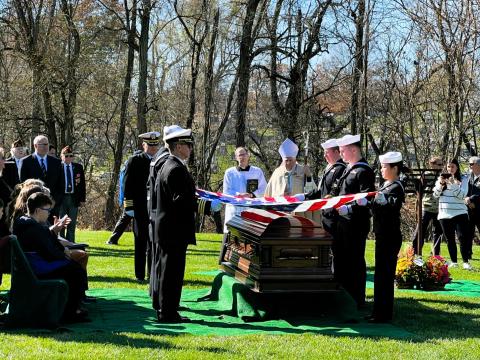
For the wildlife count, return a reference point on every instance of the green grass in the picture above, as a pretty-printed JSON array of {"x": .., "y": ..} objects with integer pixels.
[{"x": 444, "y": 327}]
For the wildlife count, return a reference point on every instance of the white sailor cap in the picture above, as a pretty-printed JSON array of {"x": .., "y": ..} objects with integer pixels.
[
  {"x": 330, "y": 143},
  {"x": 176, "y": 132},
  {"x": 150, "y": 138},
  {"x": 288, "y": 149},
  {"x": 348, "y": 140},
  {"x": 391, "y": 157}
]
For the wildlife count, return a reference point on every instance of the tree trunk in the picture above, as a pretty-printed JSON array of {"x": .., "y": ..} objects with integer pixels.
[
  {"x": 358, "y": 18},
  {"x": 118, "y": 152},
  {"x": 143, "y": 69},
  {"x": 246, "y": 45}
]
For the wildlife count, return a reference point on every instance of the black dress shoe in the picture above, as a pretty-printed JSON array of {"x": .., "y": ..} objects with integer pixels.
[
  {"x": 171, "y": 319},
  {"x": 89, "y": 299}
]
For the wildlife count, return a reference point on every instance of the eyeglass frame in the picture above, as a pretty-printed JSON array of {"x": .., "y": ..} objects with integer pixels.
[{"x": 49, "y": 209}]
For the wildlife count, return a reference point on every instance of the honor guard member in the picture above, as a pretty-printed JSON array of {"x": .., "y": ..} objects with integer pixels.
[
  {"x": 353, "y": 223},
  {"x": 243, "y": 180},
  {"x": 174, "y": 224},
  {"x": 135, "y": 202},
  {"x": 328, "y": 181},
  {"x": 388, "y": 237},
  {"x": 473, "y": 198}
]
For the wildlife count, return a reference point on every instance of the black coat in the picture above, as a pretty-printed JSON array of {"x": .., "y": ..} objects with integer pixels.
[
  {"x": 54, "y": 179},
  {"x": 474, "y": 194},
  {"x": 155, "y": 166},
  {"x": 79, "y": 187},
  {"x": 386, "y": 218},
  {"x": 136, "y": 177},
  {"x": 5, "y": 191},
  {"x": 176, "y": 205},
  {"x": 327, "y": 182},
  {"x": 10, "y": 173},
  {"x": 356, "y": 179}
]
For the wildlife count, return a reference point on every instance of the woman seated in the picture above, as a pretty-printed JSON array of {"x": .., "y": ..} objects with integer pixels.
[{"x": 47, "y": 257}]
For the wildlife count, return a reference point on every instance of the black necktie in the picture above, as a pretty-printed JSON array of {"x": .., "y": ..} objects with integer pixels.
[
  {"x": 69, "y": 180},
  {"x": 44, "y": 169}
]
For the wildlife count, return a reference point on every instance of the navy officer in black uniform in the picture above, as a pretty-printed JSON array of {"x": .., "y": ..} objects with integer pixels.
[
  {"x": 176, "y": 205},
  {"x": 388, "y": 237},
  {"x": 353, "y": 223},
  {"x": 334, "y": 170},
  {"x": 135, "y": 199}
]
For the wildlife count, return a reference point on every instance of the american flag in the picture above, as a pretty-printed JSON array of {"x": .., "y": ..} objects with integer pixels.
[{"x": 283, "y": 203}]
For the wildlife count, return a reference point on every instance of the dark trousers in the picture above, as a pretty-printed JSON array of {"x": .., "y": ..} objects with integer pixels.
[
  {"x": 120, "y": 227},
  {"x": 69, "y": 208},
  {"x": 142, "y": 248},
  {"x": 427, "y": 218},
  {"x": 474, "y": 220},
  {"x": 168, "y": 286},
  {"x": 459, "y": 225},
  {"x": 76, "y": 278},
  {"x": 387, "y": 246},
  {"x": 350, "y": 267}
]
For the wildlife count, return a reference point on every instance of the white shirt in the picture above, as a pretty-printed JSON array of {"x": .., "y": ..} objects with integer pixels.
[
  {"x": 235, "y": 182},
  {"x": 451, "y": 200}
]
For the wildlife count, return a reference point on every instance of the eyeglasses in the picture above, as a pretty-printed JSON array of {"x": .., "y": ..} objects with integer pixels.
[
  {"x": 46, "y": 209},
  {"x": 68, "y": 156},
  {"x": 43, "y": 144}
]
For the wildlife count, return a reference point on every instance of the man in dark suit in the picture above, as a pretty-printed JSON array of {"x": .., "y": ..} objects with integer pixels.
[
  {"x": 135, "y": 199},
  {"x": 42, "y": 166},
  {"x": 174, "y": 221},
  {"x": 473, "y": 201},
  {"x": 75, "y": 190},
  {"x": 11, "y": 172}
]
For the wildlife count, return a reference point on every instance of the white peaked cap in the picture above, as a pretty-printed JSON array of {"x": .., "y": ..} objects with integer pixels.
[
  {"x": 330, "y": 143},
  {"x": 391, "y": 157},
  {"x": 288, "y": 149},
  {"x": 348, "y": 139},
  {"x": 175, "y": 131}
]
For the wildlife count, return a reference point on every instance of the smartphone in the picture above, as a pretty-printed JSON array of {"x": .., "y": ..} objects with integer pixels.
[{"x": 446, "y": 175}]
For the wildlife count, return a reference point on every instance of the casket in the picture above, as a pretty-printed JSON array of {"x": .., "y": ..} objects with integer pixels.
[{"x": 272, "y": 251}]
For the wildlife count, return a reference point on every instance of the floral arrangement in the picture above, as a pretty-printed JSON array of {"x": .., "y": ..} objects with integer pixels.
[{"x": 413, "y": 271}]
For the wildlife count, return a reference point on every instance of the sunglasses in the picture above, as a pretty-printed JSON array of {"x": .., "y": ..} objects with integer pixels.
[
  {"x": 47, "y": 209},
  {"x": 68, "y": 156},
  {"x": 472, "y": 164}
]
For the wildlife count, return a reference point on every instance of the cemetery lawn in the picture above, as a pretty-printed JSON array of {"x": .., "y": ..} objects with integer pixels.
[{"x": 442, "y": 327}]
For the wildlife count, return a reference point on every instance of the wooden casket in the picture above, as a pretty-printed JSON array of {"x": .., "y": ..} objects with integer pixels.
[{"x": 271, "y": 251}]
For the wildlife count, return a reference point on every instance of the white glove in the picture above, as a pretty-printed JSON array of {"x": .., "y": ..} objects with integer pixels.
[
  {"x": 130, "y": 213},
  {"x": 299, "y": 197},
  {"x": 310, "y": 186},
  {"x": 380, "y": 198},
  {"x": 362, "y": 202},
  {"x": 215, "y": 206},
  {"x": 343, "y": 210}
]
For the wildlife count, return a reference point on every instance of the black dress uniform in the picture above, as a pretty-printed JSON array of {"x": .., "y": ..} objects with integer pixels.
[
  {"x": 136, "y": 178},
  {"x": 352, "y": 231},
  {"x": 174, "y": 221},
  {"x": 473, "y": 213},
  {"x": 328, "y": 181},
  {"x": 386, "y": 225}
]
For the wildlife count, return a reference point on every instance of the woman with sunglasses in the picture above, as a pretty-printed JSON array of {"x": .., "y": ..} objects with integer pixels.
[
  {"x": 47, "y": 257},
  {"x": 452, "y": 212}
]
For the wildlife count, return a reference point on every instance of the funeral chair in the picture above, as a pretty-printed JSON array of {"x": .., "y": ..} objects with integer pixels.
[{"x": 33, "y": 302}]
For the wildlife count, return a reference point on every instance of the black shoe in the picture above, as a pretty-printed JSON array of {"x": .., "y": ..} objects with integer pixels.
[
  {"x": 110, "y": 242},
  {"x": 171, "y": 319},
  {"x": 89, "y": 299}
]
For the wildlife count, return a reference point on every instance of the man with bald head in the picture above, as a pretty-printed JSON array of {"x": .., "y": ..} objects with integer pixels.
[{"x": 47, "y": 168}]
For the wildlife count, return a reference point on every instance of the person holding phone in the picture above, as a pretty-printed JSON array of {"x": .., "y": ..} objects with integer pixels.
[{"x": 453, "y": 213}]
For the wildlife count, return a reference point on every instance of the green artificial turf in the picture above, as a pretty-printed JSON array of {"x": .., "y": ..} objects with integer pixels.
[{"x": 442, "y": 325}]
